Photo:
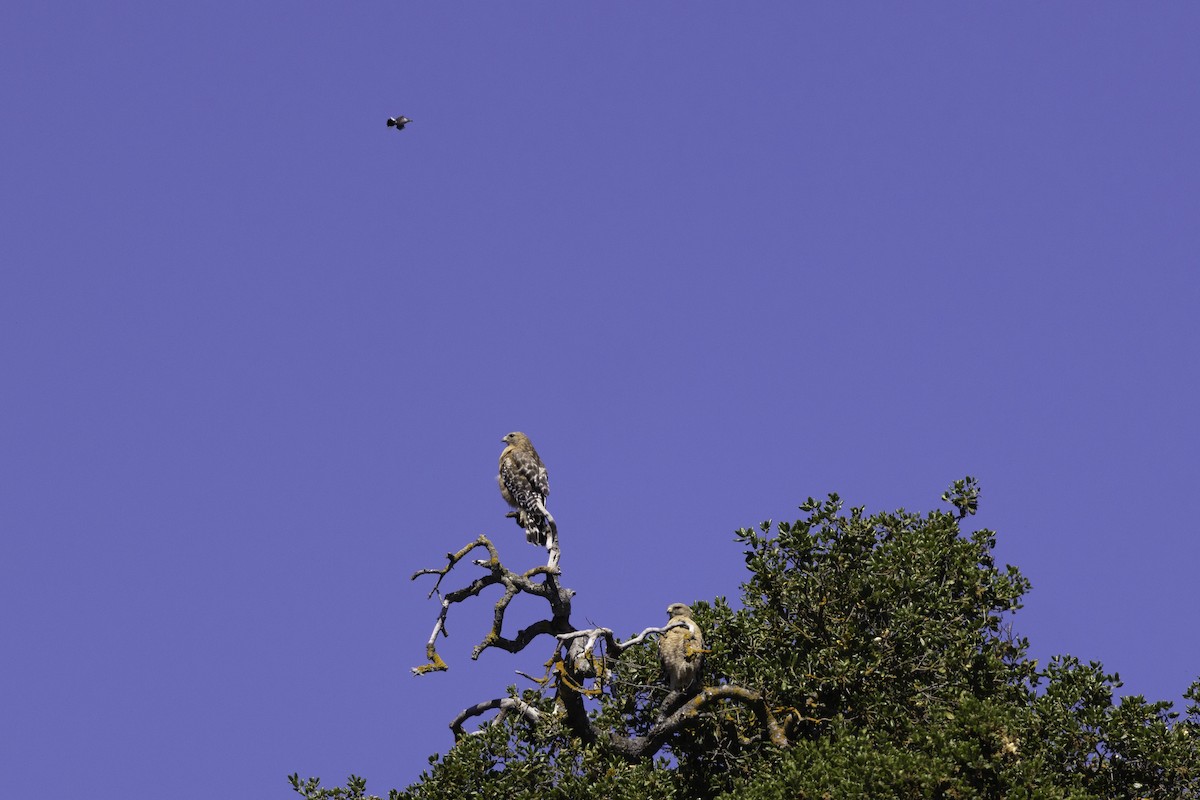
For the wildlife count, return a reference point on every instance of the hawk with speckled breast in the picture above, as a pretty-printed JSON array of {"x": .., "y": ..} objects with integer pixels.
[{"x": 525, "y": 486}]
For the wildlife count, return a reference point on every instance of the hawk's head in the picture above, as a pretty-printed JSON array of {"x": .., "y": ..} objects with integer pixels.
[
  {"x": 678, "y": 610},
  {"x": 516, "y": 437}
]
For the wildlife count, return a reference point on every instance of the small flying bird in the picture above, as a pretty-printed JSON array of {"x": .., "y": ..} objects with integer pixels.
[{"x": 398, "y": 122}]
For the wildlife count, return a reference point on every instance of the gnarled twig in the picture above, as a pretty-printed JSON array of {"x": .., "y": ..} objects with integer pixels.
[
  {"x": 514, "y": 584},
  {"x": 507, "y": 705},
  {"x": 656, "y": 737}
]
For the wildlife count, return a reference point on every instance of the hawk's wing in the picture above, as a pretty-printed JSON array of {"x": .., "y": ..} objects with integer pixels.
[{"x": 525, "y": 478}]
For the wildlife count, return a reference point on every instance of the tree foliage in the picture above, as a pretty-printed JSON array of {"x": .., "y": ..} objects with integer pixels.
[{"x": 884, "y": 647}]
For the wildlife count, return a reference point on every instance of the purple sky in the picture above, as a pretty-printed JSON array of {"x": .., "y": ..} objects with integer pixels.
[{"x": 258, "y": 350}]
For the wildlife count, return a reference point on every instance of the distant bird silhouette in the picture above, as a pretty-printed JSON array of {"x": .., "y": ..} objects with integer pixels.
[{"x": 398, "y": 122}]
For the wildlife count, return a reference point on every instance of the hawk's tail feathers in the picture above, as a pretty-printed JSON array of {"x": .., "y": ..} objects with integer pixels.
[{"x": 546, "y": 529}]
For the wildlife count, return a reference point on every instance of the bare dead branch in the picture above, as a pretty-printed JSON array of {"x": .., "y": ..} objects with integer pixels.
[
  {"x": 613, "y": 645},
  {"x": 507, "y": 705},
  {"x": 580, "y": 654},
  {"x": 517, "y": 644},
  {"x": 656, "y": 737},
  {"x": 514, "y": 584},
  {"x": 542, "y": 681},
  {"x": 454, "y": 558},
  {"x": 552, "y": 546},
  {"x": 435, "y": 663}
]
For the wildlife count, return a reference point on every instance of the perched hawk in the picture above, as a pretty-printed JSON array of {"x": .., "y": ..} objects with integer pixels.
[
  {"x": 524, "y": 485},
  {"x": 680, "y": 649},
  {"x": 398, "y": 122}
]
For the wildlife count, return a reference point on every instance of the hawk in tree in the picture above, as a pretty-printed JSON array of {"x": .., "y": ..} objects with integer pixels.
[
  {"x": 398, "y": 122},
  {"x": 524, "y": 485},
  {"x": 681, "y": 649}
]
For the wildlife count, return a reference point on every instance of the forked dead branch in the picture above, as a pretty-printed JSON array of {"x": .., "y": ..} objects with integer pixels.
[{"x": 513, "y": 583}]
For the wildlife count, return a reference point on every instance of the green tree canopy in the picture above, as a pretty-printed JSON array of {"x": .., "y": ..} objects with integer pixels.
[{"x": 882, "y": 650}]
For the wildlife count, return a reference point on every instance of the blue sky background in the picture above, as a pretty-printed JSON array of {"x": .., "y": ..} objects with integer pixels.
[{"x": 258, "y": 350}]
